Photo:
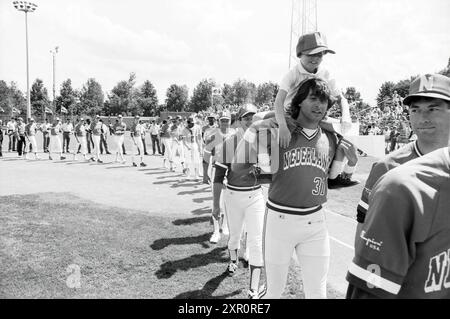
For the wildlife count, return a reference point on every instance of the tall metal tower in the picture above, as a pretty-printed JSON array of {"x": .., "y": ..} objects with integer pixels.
[{"x": 303, "y": 20}]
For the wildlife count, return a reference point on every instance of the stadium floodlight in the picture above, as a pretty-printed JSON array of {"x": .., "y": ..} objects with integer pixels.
[{"x": 26, "y": 7}]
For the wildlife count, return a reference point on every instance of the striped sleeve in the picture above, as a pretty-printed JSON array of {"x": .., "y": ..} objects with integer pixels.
[{"x": 383, "y": 254}]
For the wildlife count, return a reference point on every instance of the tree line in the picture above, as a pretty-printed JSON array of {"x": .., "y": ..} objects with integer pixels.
[{"x": 127, "y": 98}]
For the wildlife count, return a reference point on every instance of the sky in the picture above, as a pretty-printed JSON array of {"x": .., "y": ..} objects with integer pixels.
[{"x": 183, "y": 42}]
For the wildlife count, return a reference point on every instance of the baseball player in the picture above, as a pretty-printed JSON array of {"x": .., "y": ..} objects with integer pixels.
[
  {"x": 403, "y": 249},
  {"x": 192, "y": 139},
  {"x": 80, "y": 137},
  {"x": 30, "y": 133},
  {"x": 55, "y": 141},
  {"x": 20, "y": 133},
  {"x": 216, "y": 138},
  {"x": 243, "y": 201},
  {"x": 119, "y": 129},
  {"x": 166, "y": 141},
  {"x": 429, "y": 124},
  {"x": 96, "y": 128},
  {"x": 137, "y": 130},
  {"x": 310, "y": 50},
  {"x": 207, "y": 130},
  {"x": 294, "y": 219},
  {"x": 175, "y": 132}
]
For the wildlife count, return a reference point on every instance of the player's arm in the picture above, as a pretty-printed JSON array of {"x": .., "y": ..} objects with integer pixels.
[
  {"x": 386, "y": 246},
  {"x": 285, "y": 134},
  {"x": 378, "y": 170}
]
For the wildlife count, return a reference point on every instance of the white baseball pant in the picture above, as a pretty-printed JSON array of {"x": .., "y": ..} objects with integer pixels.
[
  {"x": 308, "y": 236},
  {"x": 33, "y": 143},
  {"x": 138, "y": 145},
  {"x": 55, "y": 144},
  {"x": 96, "y": 139},
  {"x": 193, "y": 160},
  {"x": 178, "y": 146},
  {"x": 167, "y": 148},
  {"x": 83, "y": 142},
  {"x": 246, "y": 207},
  {"x": 118, "y": 141}
]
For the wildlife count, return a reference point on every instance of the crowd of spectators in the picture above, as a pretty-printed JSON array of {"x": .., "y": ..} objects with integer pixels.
[{"x": 391, "y": 119}]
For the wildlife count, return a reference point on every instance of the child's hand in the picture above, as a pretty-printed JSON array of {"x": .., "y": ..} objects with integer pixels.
[
  {"x": 349, "y": 151},
  {"x": 285, "y": 136}
]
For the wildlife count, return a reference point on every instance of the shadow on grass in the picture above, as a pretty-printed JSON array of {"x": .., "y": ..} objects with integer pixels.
[
  {"x": 208, "y": 289},
  {"x": 202, "y": 199},
  {"x": 168, "y": 181},
  {"x": 151, "y": 169},
  {"x": 190, "y": 221},
  {"x": 163, "y": 172},
  {"x": 121, "y": 166},
  {"x": 185, "y": 184},
  {"x": 204, "y": 190},
  {"x": 169, "y": 268},
  {"x": 201, "y": 211},
  {"x": 164, "y": 242},
  {"x": 77, "y": 162},
  {"x": 162, "y": 177}
]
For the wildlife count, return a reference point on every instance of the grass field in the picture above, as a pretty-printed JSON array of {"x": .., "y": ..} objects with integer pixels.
[{"x": 120, "y": 253}]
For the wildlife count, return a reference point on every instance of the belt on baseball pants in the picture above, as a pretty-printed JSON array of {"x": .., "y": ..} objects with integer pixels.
[
  {"x": 243, "y": 188},
  {"x": 292, "y": 210}
]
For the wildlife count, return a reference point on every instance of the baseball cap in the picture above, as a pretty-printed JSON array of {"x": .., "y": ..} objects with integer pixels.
[
  {"x": 312, "y": 43},
  {"x": 31, "y": 119},
  {"x": 429, "y": 85},
  {"x": 224, "y": 115},
  {"x": 137, "y": 117},
  {"x": 120, "y": 115},
  {"x": 81, "y": 119},
  {"x": 246, "y": 109}
]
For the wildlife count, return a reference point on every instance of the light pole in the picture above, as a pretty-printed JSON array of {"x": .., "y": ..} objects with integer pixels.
[
  {"x": 26, "y": 7},
  {"x": 53, "y": 52}
]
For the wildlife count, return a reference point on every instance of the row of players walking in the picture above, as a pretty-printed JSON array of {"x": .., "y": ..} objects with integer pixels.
[{"x": 91, "y": 137}]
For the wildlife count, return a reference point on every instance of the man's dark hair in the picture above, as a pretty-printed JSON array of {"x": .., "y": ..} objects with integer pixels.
[{"x": 317, "y": 87}]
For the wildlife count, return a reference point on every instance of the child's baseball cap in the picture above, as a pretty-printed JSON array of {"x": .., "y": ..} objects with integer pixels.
[
  {"x": 429, "y": 85},
  {"x": 312, "y": 43}
]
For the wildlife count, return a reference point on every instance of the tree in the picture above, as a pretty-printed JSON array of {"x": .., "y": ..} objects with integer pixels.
[
  {"x": 177, "y": 98},
  {"x": 91, "y": 99},
  {"x": 38, "y": 98},
  {"x": 201, "y": 97},
  {"x": 266, "y": 93},
  {"x": 5, "y": 99},
  {"x": 67, "y": 98},
  {"x": 147, "y": 99},
  {"x": 123, "y": 97},
  {"x": 402, "y": 87},
  {"x": 384, "y": 96},
  {"x": 17, "y": 98},
  {"x": 446, "y": 71},
  {"x": 243, "y": 92},
  {"x": 227, "y": 94}
]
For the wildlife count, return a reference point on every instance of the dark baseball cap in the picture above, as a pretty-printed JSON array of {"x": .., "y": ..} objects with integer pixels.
[
  {"x": 429, "y": 85},
  {"x": 312, "y": 43}
]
